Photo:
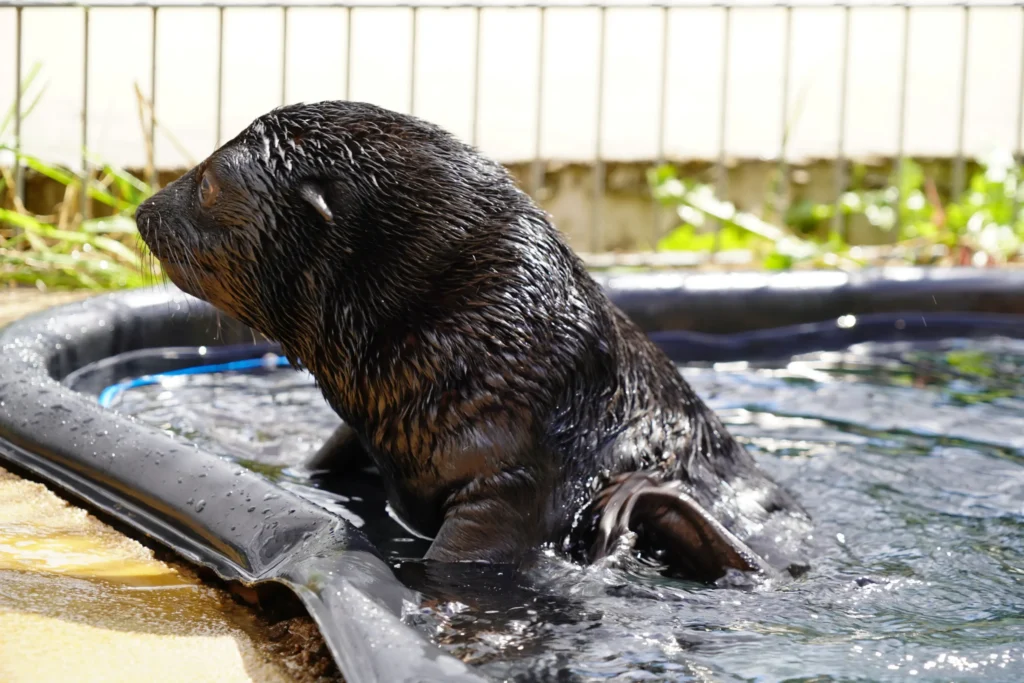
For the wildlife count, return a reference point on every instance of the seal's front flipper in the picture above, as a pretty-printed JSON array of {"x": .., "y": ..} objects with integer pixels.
[
  {"x": 341, "y": 452},
  {"x": 689, "y": 540},
  {"x": 498, "y": 519}
]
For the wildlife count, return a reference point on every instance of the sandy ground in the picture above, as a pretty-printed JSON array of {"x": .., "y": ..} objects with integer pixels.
[{"x": 80, "y": 601}]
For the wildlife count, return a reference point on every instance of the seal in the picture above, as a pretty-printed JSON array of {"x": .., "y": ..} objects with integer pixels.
[{"x": 507, "y": 404}]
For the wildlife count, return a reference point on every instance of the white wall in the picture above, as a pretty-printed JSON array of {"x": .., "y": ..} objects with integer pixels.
[{"x": 187, "y": 72}]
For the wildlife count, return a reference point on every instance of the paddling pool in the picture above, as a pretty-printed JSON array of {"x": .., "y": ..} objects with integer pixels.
[{"x": 85, "y": 391}]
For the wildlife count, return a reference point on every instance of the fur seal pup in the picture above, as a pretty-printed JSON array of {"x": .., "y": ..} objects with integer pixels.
[{"x": 505, "y": 401}]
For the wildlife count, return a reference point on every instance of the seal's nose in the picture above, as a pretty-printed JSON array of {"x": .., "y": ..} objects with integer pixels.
[
  {"x": 144, "y": 220},
  {"x": 142, "y": 212}
]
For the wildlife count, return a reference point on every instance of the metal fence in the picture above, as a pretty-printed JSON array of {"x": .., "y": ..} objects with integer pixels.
[{"x": 599, "y": 191}]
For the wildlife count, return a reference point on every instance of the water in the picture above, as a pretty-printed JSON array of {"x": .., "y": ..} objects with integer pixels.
[{"x": 909, "y": 457}]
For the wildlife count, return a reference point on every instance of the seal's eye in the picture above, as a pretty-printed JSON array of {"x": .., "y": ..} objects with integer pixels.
[{"x": 207, "y": 190}]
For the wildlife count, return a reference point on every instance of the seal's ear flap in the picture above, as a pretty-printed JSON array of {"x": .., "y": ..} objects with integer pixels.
[
  {"x": 312, "y": 194},
  {"x": 692, "y": 542}
]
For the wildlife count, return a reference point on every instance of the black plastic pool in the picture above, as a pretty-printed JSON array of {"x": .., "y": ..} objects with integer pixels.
[{"x": 891, "y": 404}]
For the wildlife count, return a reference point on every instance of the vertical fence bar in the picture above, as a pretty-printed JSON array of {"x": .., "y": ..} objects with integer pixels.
[
  {"x": 19, "y": 177},
  {"x": 596, "y": 216},
  {"x": 412, "y": 63},
  {"x": 348, "y": 54},
  {"x": 662, "y": 117},
  {"x": 901, "y": 124},
  {"x": 475, "y": 122},
  {"x": 958, "y": 167},
  {"x": 152, "y": 102},
  {"x": 85, "y": 114},
  {"x": 220, "y": 76},
  {"x": 284, "y": 55},
  {"x": 840, "y": 164},
  {"x": 1017, "y": 154},
  {"x": 537, "y": 181},
  {"x": 721, "y": 172},
  {"x": 782, "y": 196}
]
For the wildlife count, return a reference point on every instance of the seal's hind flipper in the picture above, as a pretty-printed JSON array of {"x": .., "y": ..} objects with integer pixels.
[{"x": 692, "y": 542}]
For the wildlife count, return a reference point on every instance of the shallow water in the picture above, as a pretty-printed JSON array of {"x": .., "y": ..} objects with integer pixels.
[{"x": 910, "y": 458}]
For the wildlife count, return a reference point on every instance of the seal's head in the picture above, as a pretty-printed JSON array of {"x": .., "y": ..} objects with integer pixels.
[{"x": 338, "y": 198}]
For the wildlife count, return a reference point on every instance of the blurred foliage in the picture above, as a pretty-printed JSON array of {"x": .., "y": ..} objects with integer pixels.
[
  {"x": 64, "y": 250},
  {"x": 984, "y": 225}
]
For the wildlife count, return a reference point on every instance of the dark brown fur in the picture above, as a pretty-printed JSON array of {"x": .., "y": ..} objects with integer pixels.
[{"x": 492, "y": 382}]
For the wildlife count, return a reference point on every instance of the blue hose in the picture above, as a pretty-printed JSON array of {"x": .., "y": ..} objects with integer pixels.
[{"x": 107, "y": 396}]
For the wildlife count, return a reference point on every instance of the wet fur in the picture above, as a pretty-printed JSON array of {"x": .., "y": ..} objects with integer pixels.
[{"x": 493, "y": 383}]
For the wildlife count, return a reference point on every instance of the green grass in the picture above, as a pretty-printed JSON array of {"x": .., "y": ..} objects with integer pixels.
[
  {"x": 982, "y": 226},
  {"x": 64, "y": 250}
]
